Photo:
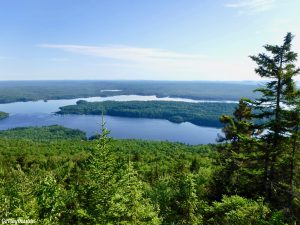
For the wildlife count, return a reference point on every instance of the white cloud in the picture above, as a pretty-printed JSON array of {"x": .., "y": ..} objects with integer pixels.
[
  {"x": 251, "y": 6},
  {"x": 153, "y": 63},
  {"x": 126, "y": 53}
]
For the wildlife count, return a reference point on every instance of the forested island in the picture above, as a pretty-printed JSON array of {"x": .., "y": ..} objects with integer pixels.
[
  {"x": 3, "y": 115},
  {"x": 202, "y": 114}
]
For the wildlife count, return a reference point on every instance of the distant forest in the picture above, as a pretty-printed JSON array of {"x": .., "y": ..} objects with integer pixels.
[{"x": 13, "y": 91}]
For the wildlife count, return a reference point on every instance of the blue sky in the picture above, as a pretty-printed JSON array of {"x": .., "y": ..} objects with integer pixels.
[{"x": 144, "y": 40}]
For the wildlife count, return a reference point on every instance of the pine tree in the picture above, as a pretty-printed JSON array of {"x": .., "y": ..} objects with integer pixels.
[{"x": 279, "y": 68}]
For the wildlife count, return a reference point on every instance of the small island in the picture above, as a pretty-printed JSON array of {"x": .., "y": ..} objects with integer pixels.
[
  {"x": 3, "y": 115},
  {"x": 202, "y": 114}
]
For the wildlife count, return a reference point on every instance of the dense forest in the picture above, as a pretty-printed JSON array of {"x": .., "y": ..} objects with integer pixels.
[
  {"x": 117, "y": 182},
  {"x": 3, "y": 115},
  {"x": 203, "y": 114},
  {"x": 13, "y": 91},
  {"x": 251, "y": 177},
  {"x": 47, "y": 133}
]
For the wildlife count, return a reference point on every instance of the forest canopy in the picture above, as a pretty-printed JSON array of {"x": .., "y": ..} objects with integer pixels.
[{"x": 202, "y": 114}]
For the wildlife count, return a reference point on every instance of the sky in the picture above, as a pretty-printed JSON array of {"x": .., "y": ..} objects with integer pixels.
[{"x": 140, "y": 40}]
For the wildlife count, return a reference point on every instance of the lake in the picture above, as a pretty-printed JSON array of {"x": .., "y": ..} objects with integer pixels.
[{"x": 40, "y": 113}]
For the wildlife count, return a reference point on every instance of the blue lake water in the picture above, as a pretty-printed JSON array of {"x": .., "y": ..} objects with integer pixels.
[{"x": 40, "y": 113}]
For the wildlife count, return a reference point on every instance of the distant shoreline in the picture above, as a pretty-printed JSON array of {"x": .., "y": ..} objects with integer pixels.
[{"x": 24, "y": 91}]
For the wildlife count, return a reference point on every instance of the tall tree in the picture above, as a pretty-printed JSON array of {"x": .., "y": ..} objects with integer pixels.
[
  {"x": 278, "y": 66},
  {"x": 103, "y": 175}
]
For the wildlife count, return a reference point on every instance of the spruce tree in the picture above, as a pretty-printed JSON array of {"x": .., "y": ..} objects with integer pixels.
[
  {"x": 102, "y": 176},
  {"x": 278, "y": 66}
]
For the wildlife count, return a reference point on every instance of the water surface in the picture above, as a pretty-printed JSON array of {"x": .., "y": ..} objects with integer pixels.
[{"x": 40, "y": 113}]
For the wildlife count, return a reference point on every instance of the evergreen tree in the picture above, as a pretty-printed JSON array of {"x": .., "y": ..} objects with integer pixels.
[
  {"x": 188, "y": 204},
  {"x": 50, "y": 197},
  {"x": 278, "y": 67},
  {"x": 293, "y": 155},
  {"x": 102, "y": 176},
  {"x": 240, "y": 127},
  {"x": 128, "y": 204},
  {"x": 238, "y": 158},
  {"x": 241, "y": 211},
  {"x": 17, "y": 197}
]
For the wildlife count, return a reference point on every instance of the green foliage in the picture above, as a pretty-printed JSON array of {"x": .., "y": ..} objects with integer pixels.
[
  {"x": 241, "y": 211},
  {"x": 239, "y": 127},
  {"x": 128, "y": 205},
  {"x": 238, "y": 166},
  {"x": 3, "y": 115},
  {"x": 103, "y": 173},
  {"x": 188, "y": 203},
  {"x": 204, "y": 114},
  {"x": 17, "y": 198},
  {"x": 261, "y": 157},
  {"x": 50, "y": 198},
  {"x": 90, "y": 182},
  {"x": 46, "y": 133},
  {"x": 279, "y": 66},
  {"x": 67, "y": 182}
]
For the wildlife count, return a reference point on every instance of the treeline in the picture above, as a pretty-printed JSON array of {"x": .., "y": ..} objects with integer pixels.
[
  {"x": 54, "y": 132},
  {"x": 203, "y": 114},
  {"x": 13, "y": 91},
  {"x": 3, "y": 115}
]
